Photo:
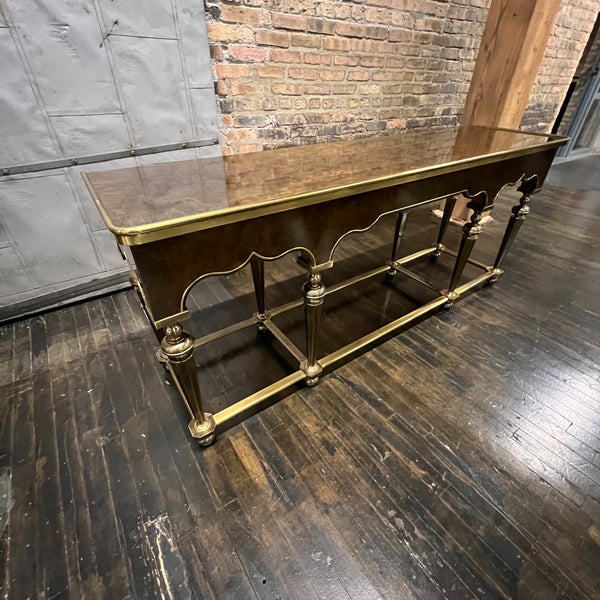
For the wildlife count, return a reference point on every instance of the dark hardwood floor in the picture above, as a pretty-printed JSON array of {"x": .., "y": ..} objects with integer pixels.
[{"x": 459, "y": 459}]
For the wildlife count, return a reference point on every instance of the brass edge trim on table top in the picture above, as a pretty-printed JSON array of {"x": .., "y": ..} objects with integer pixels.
[{"x": 142, "y": 234}]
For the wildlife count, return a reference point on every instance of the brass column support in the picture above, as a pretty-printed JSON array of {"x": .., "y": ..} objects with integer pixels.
[
  {"x": 258, "y": 277},
  {"x": 178, "y": 348},
  {"x": 398, "y": 235},
  {"x": 519, "y": 213},
  {"x": 314, "y": 293},
  {"x": 471, "y": 231},
  {"x": 439, "y": 246}
]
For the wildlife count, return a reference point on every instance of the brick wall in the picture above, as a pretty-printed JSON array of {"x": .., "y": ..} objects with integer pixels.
[
  {"x": 306, "y": 71},
  {"x": 303, "y": 71},
  {"x": 569, "y": 36}
]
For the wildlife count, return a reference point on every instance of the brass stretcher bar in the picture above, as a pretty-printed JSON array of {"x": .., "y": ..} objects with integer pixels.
[{"x": 179, "y": 222}]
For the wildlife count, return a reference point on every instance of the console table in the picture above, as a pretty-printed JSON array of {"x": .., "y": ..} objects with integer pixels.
[{"x": 179, "y": 222}]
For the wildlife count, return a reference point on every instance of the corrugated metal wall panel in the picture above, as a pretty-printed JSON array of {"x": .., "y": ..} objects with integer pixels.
[
  {"x": 75, "y": 82},
  {"x": 25, "y": 133}
]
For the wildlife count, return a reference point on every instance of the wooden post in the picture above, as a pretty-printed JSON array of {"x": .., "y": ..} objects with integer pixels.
[{"x": 512, "y": 47}]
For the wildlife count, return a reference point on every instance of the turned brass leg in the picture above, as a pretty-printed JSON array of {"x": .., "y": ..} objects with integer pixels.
[
  {"x": 178, "y": 348},
  {"x": 258, "y": 276},
  {"x": 519, "y": 213},
  {"x": 398, "y": 235},
  {"x": 470, "y": 234},
  {"x": 314, "y": 292},
  {"x": 439, "y": 246}
]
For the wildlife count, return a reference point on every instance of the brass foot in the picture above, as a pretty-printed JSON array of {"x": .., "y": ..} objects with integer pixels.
[
  {"x": 437, "y": 252},
  {"x": 312, "y": 373},
  {"x": 260, "y": 320},
  {"x": 392, "y": 270},
  {"x": 452, "y": 296},
  {"x": 204, "y": 432},
  {"x": 495, "y": 274}
]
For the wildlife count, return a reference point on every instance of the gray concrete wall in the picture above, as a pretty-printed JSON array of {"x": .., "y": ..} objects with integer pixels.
[{"x": 84, "y": 77}]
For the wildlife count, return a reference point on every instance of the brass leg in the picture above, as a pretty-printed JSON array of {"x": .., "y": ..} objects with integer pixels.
[
  {"x": 398, "y": 235},
  {"x": 314, "y": 292},
  {"x": 178, "y": 348},
  {"x": 258, "y": 276},
  {"x": 519, "y": 213},
  {"x": 471, "y": 232},
  {"x": 439, "y": 246}
]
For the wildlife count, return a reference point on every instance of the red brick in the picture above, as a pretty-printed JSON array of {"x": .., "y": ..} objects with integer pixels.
[
  {"x": 242, "y": 89},
  {"x": 317, "y": 90},
  {"x": 358, "y": 76},
  {"x": 400, "y": 35},
  {"x": 286, "y": 21},
  {"x": 266, "y": 37},
  {"x": 284, "y": 56},
  {"x": 314, "y": 103},
  {"x": 286, "y": 89},
  {"x": 350, "y": 30},
  {"x": 372, "y": 61},
  {"x": 306, "y": 40},
  {"x": 229, "y": 33},
  {"x": 240, "y": 14},
  {"x": 327, "y": 103},
  {"x": 328, "y": 75},
  {"x": 366, "y": 89},
  {"x": 336, "y": 43},
  {"x": 364, "y": 46},
  {"x": 382, "y": 76},
  {"x": 299, "y": 73},
  {"x": 231, "y": 71},
  {"x": 393, "y": 62},
  {"x": 247, "y": 53},
  {"x": 216, "y": 52},
  {"x": 340, "y": 88},
  {"x": 416, "y": 63},
  {"x": 349, "y": 61},
  {"x": 310, "y": 58},
  {"x": 270, "y": 71},
  {"x": 321, "y": 26},
  {"x": 300, "y": 104},
  {"x": 240, "y": 134}
]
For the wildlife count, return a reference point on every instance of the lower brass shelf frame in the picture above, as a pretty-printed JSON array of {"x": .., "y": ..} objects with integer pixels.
[{"x": 329, "y": 361}]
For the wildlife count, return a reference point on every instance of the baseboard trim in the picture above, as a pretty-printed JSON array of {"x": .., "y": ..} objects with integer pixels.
[{"x": 99, "y": 286}]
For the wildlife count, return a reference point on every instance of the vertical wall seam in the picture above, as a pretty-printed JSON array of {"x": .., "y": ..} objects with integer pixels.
[{"x": 186, "y": 81}]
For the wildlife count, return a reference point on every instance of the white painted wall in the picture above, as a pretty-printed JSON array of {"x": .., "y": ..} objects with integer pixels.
[{"x": 81, "y": 77}]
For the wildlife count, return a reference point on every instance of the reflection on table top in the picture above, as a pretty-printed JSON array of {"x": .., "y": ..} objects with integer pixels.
[{"x": 186, "y": 195}]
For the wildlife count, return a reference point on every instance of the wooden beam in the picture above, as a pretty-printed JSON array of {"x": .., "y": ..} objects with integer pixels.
[{"x": 512, "y": 47}]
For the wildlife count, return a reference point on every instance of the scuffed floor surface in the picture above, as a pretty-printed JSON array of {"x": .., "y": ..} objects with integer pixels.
[{"x": 459, "y": 459}]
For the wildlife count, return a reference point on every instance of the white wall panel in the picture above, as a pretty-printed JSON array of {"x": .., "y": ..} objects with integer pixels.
[
  {"x": 63, "y": 39},
  {"x": 74, "y": 83},
  {"x": 192, "y": 31},
  {"x": 151, "y": 18},
  {"x": 45, "y": 223},
  {"x": 24, "y": 132},
  {"x": 91, "y": 134},
  {"x": 14, "y": 279},
  {"x": 92, "y": 216},
  {"x": 151, "y": 79},
  {"x": 108, "y": 251},
  {"x": 206, "y": 117}
]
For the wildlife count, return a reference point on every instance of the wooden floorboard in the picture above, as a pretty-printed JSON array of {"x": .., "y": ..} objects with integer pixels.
[{"x": 458, "y": 459}]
